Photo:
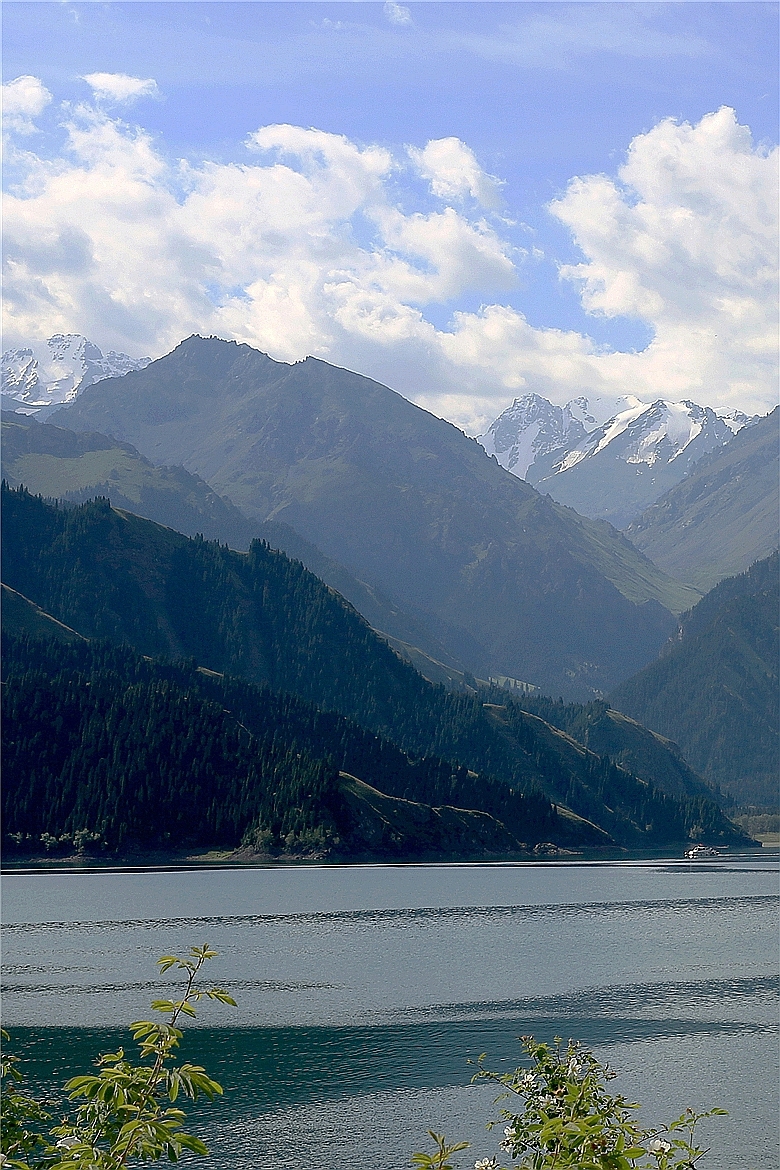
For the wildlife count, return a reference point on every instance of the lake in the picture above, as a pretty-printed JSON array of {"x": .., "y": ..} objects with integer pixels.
[{"x": 363, "y": 991}]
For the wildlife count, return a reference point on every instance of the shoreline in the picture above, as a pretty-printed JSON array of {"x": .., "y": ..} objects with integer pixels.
[{"x": 154, "y": 862}]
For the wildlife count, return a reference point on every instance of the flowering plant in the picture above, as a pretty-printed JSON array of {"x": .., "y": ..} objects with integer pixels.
[{"x": 570, "y": 1120}]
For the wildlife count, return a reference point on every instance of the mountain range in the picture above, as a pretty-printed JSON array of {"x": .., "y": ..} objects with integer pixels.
[
  {"x": 38, "y": 378},
  {"x": 508, "y": 581},
  {"x": 610, "y": 470},
  {"x": 723, "y": 515}
]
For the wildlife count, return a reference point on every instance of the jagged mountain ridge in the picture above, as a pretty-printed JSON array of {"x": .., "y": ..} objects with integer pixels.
[
  {"x": 502, "y": 576},
  {"x": 533, "y": 433},
  {"x": 40, "y": 377},
  {"x": 614, "y": 469}
]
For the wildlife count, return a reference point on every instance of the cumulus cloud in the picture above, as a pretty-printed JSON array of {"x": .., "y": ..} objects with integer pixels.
[
  {"x": 303, "y": 247},
  {"x": 452, "y": 170},
  {"x": 24, "y": 99},
  {"x": 119, "y": 88},
  {"x": 686, "y": 241}
]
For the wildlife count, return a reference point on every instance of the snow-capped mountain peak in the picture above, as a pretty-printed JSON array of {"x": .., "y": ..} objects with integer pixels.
[
  {"x": 660, "y": 431},
  {"x": 594, "y": 410},
  {"x": 608, "y": 464},
  {"x": 44, "y": 375},
  {"x": 531, "y": 428}
]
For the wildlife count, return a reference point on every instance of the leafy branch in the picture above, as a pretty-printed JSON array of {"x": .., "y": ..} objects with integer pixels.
[{"x": 129, "y": 1111}]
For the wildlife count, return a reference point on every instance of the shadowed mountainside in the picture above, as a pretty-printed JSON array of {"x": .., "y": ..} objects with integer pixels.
[
  {"x": 714, "y": 690},
  {"x": 407, "y": 503}
]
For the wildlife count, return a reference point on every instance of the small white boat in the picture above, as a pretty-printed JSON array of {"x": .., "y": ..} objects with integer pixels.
[{"x": 697, "y": 851}]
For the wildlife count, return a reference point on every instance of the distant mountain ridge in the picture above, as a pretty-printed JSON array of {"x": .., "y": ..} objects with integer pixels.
[
  {"x": 610, "y": 470},
  {"x": 532, "y": 433},
  {"x": 724, "y": 515},
  {"x": 40, "y": 377},
  {"x": 507, "y": 580}
]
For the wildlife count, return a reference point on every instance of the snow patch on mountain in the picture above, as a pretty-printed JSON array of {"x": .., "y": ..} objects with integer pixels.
[
  {"x": 658, "y": 433},
  {"x": 530, "y": 428},
  {"x": 44, "y": 375},
  {"x": 534, "y": 439}
]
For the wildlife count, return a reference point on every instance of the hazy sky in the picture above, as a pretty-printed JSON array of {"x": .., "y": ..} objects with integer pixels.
[{"x": 466, "y": 201}]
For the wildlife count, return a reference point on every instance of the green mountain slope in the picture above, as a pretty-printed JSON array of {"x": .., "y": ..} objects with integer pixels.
[
  {"x": 61, "y": 464},
  {"x": 258, "y": 615},
  {"x": 715, "y": 690},
  {"x": 723, "y": 516},
  {"x": 609, "y": 733},
  {"x": 406, "y": 502}
]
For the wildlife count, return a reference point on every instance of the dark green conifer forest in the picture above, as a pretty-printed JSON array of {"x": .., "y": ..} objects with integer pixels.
[{"x": 308, "y": 685}]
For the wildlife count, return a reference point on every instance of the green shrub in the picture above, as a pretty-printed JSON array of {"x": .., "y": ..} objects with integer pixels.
[{"x": 570, "y": 1120}]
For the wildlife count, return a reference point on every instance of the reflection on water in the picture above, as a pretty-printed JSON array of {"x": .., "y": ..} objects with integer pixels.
[{"x": 355, "y": 1027}]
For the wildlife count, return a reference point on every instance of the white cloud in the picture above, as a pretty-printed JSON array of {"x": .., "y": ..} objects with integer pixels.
[
  {"x": 304, "y": 247},
  {"x": 119, "y": 88},
  {"x": 24, "y": 99},
  {"x": 397, "y": 13},
  {"x": 687, "y": 242},
  {"x": 452, "y": 170}
]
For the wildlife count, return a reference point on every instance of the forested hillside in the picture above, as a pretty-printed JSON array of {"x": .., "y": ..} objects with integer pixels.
[
  {"x": 715, "y": 690},
  {"x": 109, "y": 749},
  {"x": 607, "y": 732},
  {"x": 263, "y": 617}
]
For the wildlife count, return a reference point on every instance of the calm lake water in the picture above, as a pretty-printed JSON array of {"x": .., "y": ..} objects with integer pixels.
[{"x": 362, "y": 992}]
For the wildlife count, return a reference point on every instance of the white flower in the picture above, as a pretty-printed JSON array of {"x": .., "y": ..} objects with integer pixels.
[
  {"x": 658, "y": 1146},
  {"x": 486, "y": 1164}
]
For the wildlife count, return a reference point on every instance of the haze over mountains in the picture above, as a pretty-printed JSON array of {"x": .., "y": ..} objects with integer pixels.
[
  {"x": 714, "y": 690},
  {"x": 461, "y": 565},
  {"x": 723, "y": 515},
  {"x": 510, "y": 582}
]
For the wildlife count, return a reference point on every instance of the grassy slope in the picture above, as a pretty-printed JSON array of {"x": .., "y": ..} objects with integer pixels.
[{"x": 61, "y": 464}]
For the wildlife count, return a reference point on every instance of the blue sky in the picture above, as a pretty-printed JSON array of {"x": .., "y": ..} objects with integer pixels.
[{"x": 538, "y": 96}]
